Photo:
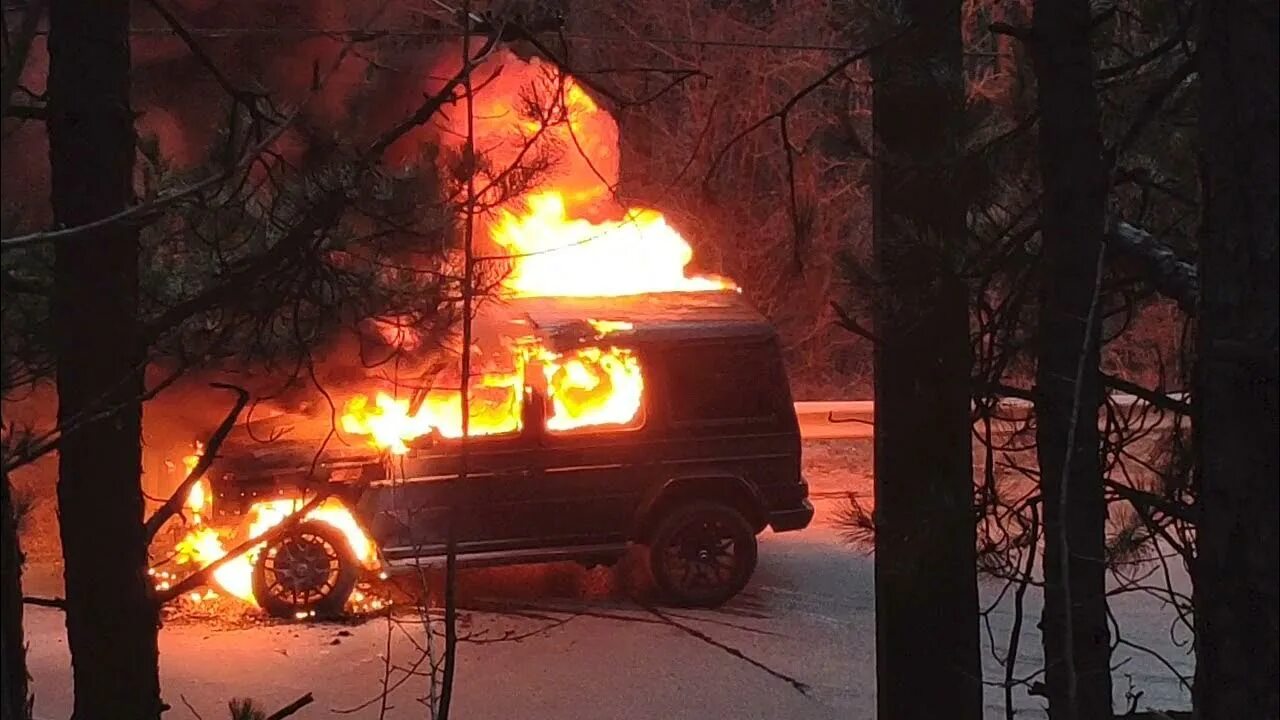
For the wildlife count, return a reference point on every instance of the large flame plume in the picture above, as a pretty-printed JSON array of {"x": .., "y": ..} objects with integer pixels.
[{"x": 570, "y": 236}]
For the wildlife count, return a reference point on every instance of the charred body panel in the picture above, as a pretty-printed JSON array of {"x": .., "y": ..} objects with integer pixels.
[
  {"x": 255, "y": 472},
  {"x": 717, "y": 427}
]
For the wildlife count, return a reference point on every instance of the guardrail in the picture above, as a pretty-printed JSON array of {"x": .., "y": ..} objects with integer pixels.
[{"x": 843, "y": 419}]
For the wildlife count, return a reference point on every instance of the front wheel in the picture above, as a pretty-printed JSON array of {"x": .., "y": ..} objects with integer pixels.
[
  {"x": 702, "y": 554},
  {"x": 308, "y": 571}
]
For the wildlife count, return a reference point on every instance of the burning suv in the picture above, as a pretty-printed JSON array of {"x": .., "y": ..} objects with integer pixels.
[{"x": 660, "y": 420}]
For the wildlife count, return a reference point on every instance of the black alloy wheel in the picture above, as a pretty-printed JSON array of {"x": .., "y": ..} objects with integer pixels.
[
  {"x": 308, "y": 571},
  {"x": 702, "y": 554}
]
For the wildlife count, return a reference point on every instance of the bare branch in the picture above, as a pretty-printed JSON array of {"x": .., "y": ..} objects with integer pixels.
[
  {"x": 1151, "y": 106},
  {"x": 249, "y": 99},
  {"x": 795, "y": 99},
  {"x": 292, "y": 707},
  {"x": 144, "y": 211},
  {"x": 1173, "y": 509},
  {"x": 173, "y": 505},
  {"x": 1155, "y": 53},
  {"x": 848, "y": 322},
  {"x": 201, "y": 576},
  {"x": 800, "y": 686},
  {"x": 1156, "y": 399},
  {"x": 27, "y": 112},
  {"x": 1171, "y": 276}
]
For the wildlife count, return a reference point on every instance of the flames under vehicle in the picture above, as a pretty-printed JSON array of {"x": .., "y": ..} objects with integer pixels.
[{"x": 709, "y": 459}]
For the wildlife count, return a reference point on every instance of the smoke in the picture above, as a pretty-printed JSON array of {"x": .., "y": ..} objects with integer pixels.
[{"x": 526, "y": 119}]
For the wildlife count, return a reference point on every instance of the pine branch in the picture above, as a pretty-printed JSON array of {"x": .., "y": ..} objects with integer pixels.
[
  {"x": 801, "y": 94},
  {"x": 1172, "y": 277},
  {"x": 848, "y": 322},
  {"x": 1152, "y": 397}
]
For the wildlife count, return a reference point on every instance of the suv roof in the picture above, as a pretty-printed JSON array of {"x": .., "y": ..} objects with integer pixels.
[{"x": 656, "y": 317}]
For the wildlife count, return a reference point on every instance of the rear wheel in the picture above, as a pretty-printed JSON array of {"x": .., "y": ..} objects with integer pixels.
[
  {"x": 309, "y": 570},
  {"x": 702, "y": 554}
]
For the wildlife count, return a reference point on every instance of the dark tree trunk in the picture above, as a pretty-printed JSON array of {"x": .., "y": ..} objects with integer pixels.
[
  {"x": 1237, "y": 568},
  {"x": 927, "y": 663},
  {"x": 14, "y": 696},
  {"x": 1068, "y": 384},
  {"x": 111, "y": 618}
]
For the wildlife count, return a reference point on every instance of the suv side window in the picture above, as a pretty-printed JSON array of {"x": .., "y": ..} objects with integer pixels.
[
  {"x": 718, "y": 384},
  {"x": 594, "y": 389}
]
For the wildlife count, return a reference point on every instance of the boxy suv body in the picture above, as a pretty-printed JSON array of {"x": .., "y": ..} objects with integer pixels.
[{"x": 711, "y": 459}]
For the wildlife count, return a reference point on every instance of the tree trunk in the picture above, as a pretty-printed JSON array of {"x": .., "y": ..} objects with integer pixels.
[
  {"x": 1237, "y": 569},
  {"x": 111, "y": 617},
  {"x": 1068, "y": 384},
  {"x": 927, "y": 663},
  {"x": 14, "y": 695}
]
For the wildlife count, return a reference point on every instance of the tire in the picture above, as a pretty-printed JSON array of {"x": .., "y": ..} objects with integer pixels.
[
  {"x": 688, "y": 552},
  {"x": 289, "y": 580}
]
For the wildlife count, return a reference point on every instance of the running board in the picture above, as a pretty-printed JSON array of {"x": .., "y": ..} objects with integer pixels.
[{"x": 502, "y": 557}]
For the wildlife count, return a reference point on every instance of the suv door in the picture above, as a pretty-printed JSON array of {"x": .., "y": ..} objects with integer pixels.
[
  {"x": 592, "y": 474},
  {"x": 410, "y": 510}
]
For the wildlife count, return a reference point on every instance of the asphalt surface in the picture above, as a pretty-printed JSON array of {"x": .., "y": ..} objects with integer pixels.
[{"x": 798, "y": 643}]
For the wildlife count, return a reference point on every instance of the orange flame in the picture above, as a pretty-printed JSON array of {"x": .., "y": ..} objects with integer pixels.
[
  {"x": 585, "y": 387},
  {"x": 494, "y": 409},
  {"x": 570, "y": 237},
  {"x": 593, "y": 387},
  {"x": 198, "y": 496},
  {"x": 388, "y": 423},
  {"x": 203, "y": 545},
  {"x": 556, "y": 254}
]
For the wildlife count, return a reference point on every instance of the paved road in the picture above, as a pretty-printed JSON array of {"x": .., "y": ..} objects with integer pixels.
[{"x": 808, "y": 616}]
